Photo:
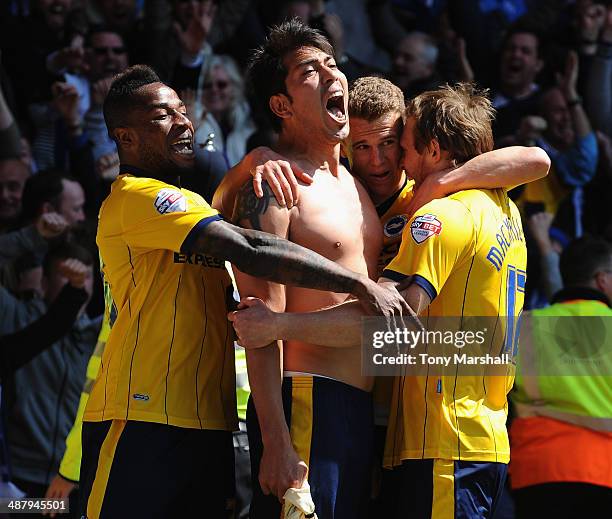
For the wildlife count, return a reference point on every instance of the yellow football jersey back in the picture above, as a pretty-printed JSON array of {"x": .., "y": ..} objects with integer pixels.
[
  {"x": 393, "y": 219},
  {"x": 468, "y": 252},
  {"x": 169, "y": 356}
]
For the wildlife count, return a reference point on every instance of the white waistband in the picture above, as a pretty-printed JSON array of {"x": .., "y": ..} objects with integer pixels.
[{"x": 290, "y": 374}]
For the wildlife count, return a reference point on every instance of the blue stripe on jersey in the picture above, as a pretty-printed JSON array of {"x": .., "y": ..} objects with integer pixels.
[
  {"x": 395, "y": 276},
  {"x": 191, "y": 238},
  {"x": 426, "y": 285}
]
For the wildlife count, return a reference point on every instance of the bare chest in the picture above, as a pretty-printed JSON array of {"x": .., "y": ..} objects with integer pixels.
[{"x": 338, "y": 221}]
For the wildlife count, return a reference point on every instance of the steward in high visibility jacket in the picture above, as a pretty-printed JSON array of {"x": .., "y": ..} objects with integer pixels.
[{"x": 561, "y": 438}]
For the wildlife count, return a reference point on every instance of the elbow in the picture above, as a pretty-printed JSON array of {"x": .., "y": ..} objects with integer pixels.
[
  {"x": 251, "y": 259},
  {"x": 540, "y": 160}
]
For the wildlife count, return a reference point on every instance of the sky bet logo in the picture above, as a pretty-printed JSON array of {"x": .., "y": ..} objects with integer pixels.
[
  {"x": 198, "y": 259},
  {"x": 424, "y": 227}
]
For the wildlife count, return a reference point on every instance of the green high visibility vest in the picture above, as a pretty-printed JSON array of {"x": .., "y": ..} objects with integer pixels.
[
  {"x": 243, "y": 390},
  {"x": 564, "y": 366}
]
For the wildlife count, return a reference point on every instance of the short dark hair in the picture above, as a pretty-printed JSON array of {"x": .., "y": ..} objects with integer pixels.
[
  {"x": 123, "y": 94},
  {"x": 64, "y": 250},
  {"x": 100, "y": 29},
  {"x": 583, "y": 258},
  {"x": 46, "y": 186},
  {"x": 267, "y": 72},
  {"x": 523, "y": 26}
]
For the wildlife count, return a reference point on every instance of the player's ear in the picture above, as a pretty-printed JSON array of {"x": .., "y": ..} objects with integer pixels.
[
  {"x": 125, "y": 138},
  {"x": 281, "y": 106},
  {"x": 434, "y": 150}
]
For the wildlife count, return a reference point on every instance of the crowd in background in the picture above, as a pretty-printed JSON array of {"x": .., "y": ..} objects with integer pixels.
[{"x": 547, "y": 63}]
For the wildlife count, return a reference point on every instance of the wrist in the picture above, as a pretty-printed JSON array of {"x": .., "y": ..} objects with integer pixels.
[
  {"x": 362, "y": 286},
  {"x": 544, "y": 245},
  {"x": 276, "y": 437},
  {"x": 280, "y": 325}
]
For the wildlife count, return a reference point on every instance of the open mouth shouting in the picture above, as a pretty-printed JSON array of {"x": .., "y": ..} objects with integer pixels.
[
  {"x": 335, "y": 106},
  {"x": 182, "y": 146}
]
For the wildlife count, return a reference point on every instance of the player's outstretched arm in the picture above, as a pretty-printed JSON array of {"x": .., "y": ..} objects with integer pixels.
[
  {"x": 338, "y": 326},
  {"x": 502, "y": 168},
  {"x": 257, "y": 325},
  {"x": 269, "y": 257}
]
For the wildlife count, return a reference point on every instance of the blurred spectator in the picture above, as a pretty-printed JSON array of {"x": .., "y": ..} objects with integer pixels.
[
  {"x": 13, "y": 176},
  {"x": 124, "y": 18},
  {"x": 10, "y": 139},
  {"x": 414, "y": 64},
  {"x": 181, "y": 47},
  {"x": 589, "y": 19},
  {"x": 32, "y": 238},
  {"x": 107, "y": 56},
  {"x": 18, "y": 348},
  {"x": 116, "y": 14},
  {"x": 419, "y": 15},
  {"x": 52, "y": 25},
  {"x": 548, "y": 249},
  {"x": 52, "y": 191},
  {"x": 598, "y": 92},
  {"x": 181, "y": 34},
  {"x": 516, "y": 94},
  {"x": 223, "y": 110},
  {"x": 361, "y": 20},
  {"x": 571, "y": 144},
  {"x": 41, "y": 398},
  {"x": 561, "y": 440}
]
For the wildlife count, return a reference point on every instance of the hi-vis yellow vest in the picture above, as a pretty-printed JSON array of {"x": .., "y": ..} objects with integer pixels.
[{"x": 564, "y": 364}]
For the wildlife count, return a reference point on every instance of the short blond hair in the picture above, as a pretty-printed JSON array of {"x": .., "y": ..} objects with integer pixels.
[
  {"x": 459, "y": 117},
  {"x": 373, "y": 97}
]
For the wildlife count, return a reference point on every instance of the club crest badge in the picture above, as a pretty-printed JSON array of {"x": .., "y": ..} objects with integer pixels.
[
  {"x": 170, "y": 201},
  {"x": 424, "y": 227},
  {"x": 394, "y": 226}
]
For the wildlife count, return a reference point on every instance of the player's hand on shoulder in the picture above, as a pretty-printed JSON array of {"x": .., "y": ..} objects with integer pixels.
[
  {"x": 254, "y": 323},
  {"x": 279, "y": 173}
]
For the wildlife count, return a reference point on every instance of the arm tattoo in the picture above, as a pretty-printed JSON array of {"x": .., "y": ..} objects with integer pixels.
[{"x": 248, "y": 207}]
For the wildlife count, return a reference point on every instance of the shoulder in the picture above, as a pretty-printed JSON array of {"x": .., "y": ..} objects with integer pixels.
[
  {"x": 252, "y": 209},
  {"x": 129, "y": 183},
  {"x": 446, "y": 217},
  {"x": 477, "y": 201},
  {"x": 449, "y": 206}
]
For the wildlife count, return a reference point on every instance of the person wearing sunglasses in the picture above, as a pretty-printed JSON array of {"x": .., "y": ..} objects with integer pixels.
[{"x": 222, "y": 110}]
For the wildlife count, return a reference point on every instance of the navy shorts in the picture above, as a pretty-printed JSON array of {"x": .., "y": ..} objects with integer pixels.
[
  {"x": 332, "y": 430},
  {"x": 141, "y": 469},
  {"x": 445, "y": 489}
]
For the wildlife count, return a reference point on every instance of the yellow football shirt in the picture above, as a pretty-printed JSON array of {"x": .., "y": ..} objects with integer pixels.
[
  {"x": 169, "y": 356},
  {"x": 393, "y": 220},
  {"x": 392, "y": 214},
  {"x": 468, "y": 252}
]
